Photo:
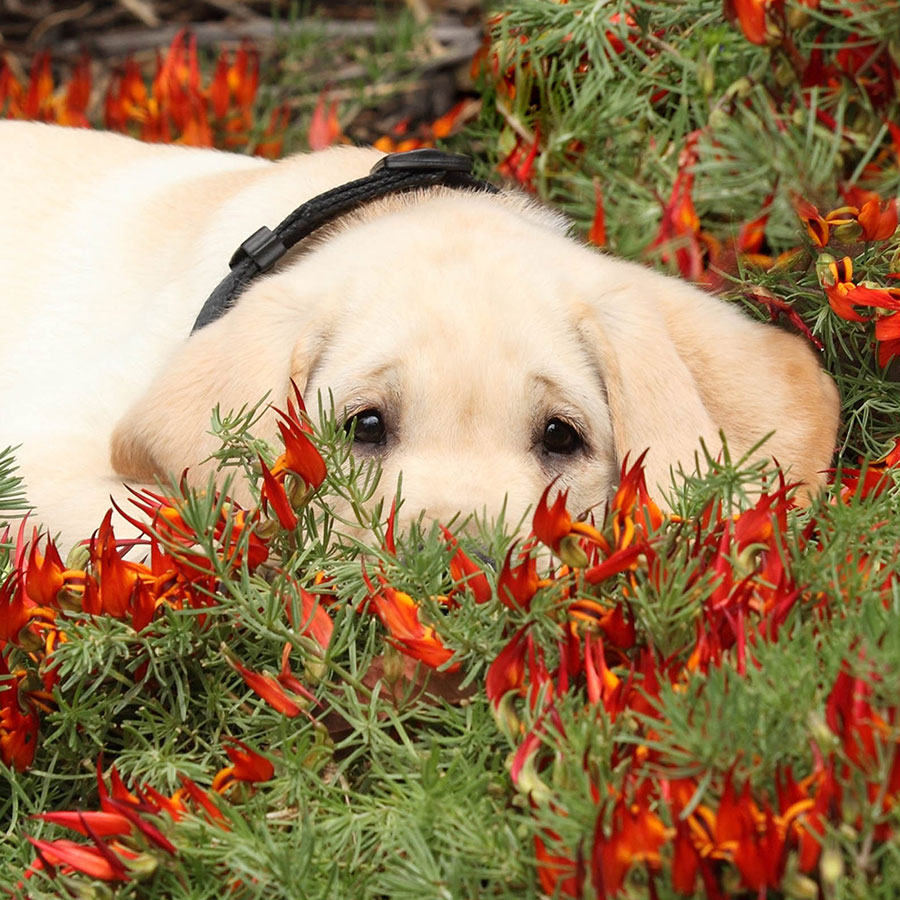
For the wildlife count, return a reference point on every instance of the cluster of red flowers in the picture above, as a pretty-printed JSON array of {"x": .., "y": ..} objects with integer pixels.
[
  {"x": 649, "y": 818},
  {"x": 869, "y": 63},
  {"x": 176, "y": 106},
  {"x": 41, "y": 591},
  {"x": 128, "y": 834}
]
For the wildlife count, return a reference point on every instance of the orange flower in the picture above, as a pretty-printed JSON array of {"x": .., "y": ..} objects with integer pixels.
[
  {"x": 236, "y": 536},
  {"x": 247, "y": 766},
  {"x": 98, "y": 861},
  {"x": 870, "y": 220},
  {"x": 679, "y": 232},
  {"x": 878, "y": 219},
  {"x": 602, "y": 684},
  {"x": 399, "y": 613},
  {"x": 637, "y": 834},
  {"x": 519, "y": 162},
  {"x": 300, "y": 455},
  {"x": 273, "y": 494},
  {"x": 324, "y": 127},
  {"x": 553, "y": 527},
  {"x": 14, "y": 609},
  {"x": 516, "y": 586},
  {"x": 466, "y": 572},
  {"x": 836, "y": 278},
  {"x": 272, "y": 691},
  {"x": 751, "y": 16},
  {"x": 314, "y": 619},
  {"x": 887, "y": 333},
  {"x": 507, "y": 672},
  {"x": 19, "y": 721},
  {"x": 101, "y": 822},
  {"x": 632, "y": 500}
]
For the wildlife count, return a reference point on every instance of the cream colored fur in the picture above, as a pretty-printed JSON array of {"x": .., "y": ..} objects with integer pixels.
[{"x": 468, "y": 320}]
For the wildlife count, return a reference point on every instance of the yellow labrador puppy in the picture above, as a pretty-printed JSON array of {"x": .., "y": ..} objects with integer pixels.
[{"x": 480, "y": 350}]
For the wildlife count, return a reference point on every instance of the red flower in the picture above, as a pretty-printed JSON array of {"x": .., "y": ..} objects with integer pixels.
[
  {"x": 399, "y": 613},
  {"x": 465, "y": 572},
  {"x": 19, "y": 722},
  {"x": 878, "y": 219},
  {"x": 98, "y": 861},
  {"x": 553, "y": 527},
  {"x": 272, "y": 691},
  {"x": 273, "y": 494},
  {"x": 324, "y": 127},
  {"x": 247, "y": 765},
  {"x": 507, "y": 672},
  {"x": 597, "y": 233},
  {"x": 300, "y": 455},
  {"x": 887, "y": 333},
  {"x": 516, "y": 586},
  {"x": 636, "y": 836}
]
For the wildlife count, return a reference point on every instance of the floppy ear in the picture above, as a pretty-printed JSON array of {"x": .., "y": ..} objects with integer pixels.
[
  {"x": 254, "y": 350},
  {"x": 681, "y": 365}
]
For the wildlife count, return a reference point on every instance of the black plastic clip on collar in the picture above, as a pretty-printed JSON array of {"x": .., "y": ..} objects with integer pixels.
[{"x": 392, "y": 174}]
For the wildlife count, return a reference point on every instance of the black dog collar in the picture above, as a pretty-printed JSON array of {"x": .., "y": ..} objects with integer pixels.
[{"x": 392, "y": 174}]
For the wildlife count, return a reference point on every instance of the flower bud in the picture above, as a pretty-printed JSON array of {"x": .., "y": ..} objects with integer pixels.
[
  {"x": 78, "y": 557},
  {"x": 799, "y": 887},
  {"x": 69, "y": 599},
  {"x": 797, "y": 17},
  {"x": 530, "y": 783},
  {"x": 848, "y": 231},
  {"x": 81, "y": 891},
  {"x": 267, "y": 528},
  {"x": 572, "y": 553},
  {"x": 142, "y": 866},
  {"x": 392, "y": 663},
  {"x": 706, "y": 76},
  {"x": 314, "y": 668},
  {"x": 297, "y": 490},
  {"x": 739, "y": 88},
  {"x": 825, "y": 738},
  {"x": 824, "y": 272},
  {"x": 505, "y": 716},
  {"x": 831, "y": 865}
]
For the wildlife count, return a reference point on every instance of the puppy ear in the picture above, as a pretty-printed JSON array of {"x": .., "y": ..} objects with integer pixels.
[
  {"x": 680, "y": 365},
  {"x": 253, "y": 351}
]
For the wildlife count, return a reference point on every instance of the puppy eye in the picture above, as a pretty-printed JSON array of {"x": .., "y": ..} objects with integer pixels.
[
  {"x": 368, "y": 427},
  {"x": 561, "y": 437}
]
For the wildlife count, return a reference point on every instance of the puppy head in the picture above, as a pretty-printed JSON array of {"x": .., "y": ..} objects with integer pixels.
[{"x": 478, "y": 351}]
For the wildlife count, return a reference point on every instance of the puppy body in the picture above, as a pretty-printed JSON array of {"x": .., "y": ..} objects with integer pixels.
[{"x": 468, "y": 321}]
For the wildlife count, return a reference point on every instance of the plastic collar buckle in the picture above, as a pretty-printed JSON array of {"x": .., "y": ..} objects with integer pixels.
[
  {"x": 424, "y": 160},
  {"x": 263, "y": 247}
]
